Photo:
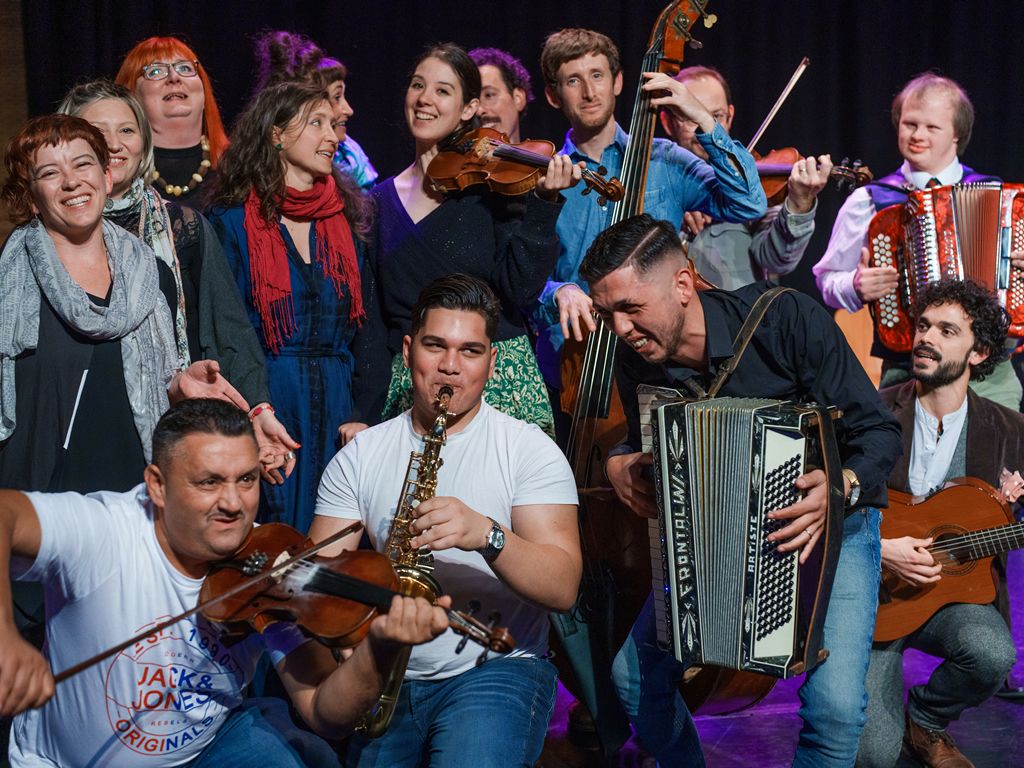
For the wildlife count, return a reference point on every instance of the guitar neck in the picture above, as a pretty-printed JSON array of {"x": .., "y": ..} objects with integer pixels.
[{"x": 983, "y": 543}]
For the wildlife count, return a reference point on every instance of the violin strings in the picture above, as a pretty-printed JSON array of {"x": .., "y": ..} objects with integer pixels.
[{"x": 476, "y": 629}]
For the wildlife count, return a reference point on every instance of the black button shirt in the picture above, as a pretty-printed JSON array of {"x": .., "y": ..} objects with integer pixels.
[{"x": 797, "y": 353}]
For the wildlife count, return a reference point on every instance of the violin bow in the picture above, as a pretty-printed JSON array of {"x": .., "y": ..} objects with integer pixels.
[
  {"x": 240, "y": 587},
  {"x": 779, "y": 101}
]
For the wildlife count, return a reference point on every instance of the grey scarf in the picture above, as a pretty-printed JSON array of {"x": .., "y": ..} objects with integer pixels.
[{"x": 137, "y": 315}]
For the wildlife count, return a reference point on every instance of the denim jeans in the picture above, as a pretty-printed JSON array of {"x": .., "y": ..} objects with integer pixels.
[
  {"x": 978, "y": 651},
  {"x": 261, "y": 734},
  {"x": 833, "y": 696},
  {"x": 492, "y": 716}
]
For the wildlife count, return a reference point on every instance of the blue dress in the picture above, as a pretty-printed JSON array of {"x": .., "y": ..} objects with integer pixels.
[{"x": 329, "y": 371}]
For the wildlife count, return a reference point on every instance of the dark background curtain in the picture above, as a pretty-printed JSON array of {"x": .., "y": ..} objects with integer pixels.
[{"x": 861, "y": 53}]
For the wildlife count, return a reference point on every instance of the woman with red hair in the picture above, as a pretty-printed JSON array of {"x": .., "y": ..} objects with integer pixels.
[{"x": 165, "y": 75}]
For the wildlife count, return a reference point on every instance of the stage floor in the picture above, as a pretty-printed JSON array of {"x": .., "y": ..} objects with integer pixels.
[{"x": 992, "y": 735}]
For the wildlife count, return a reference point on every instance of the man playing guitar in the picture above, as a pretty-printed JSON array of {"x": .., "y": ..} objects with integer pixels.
[{"x": 948, "y": 431}]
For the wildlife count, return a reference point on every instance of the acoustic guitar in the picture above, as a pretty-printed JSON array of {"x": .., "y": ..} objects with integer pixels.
[{"x": 971, "y": 523}]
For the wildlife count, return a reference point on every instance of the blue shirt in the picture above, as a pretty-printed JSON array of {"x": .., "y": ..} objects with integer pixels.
[{"x": 677, "y": 181}]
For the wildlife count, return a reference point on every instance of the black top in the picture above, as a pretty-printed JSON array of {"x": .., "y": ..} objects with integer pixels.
[
  {"x": 176, "y": 166},
  {"x": 103, "y": 451},
  {"x": 797, "y": 353},
  {"x": 216, "y": 322},
  {"x": 509, "y": 242}
]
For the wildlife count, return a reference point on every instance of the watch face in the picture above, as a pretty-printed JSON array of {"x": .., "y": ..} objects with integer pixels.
[{"x": 497, "y": 538}]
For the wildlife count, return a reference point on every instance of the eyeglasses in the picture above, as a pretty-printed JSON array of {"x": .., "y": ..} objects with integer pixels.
[
  {"x": 719, "y": 116},
  {"x": 159, "y": 70}
]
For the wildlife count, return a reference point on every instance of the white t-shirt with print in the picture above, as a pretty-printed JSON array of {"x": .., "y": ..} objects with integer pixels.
[
  {"x": 160, "y": 701},
  {"x": 492, "y": 465}
]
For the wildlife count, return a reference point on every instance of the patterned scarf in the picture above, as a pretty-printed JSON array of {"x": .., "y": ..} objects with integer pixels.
[
  {"x": 137, "y": 315},
  {"x": 268, "y": 256},
  {"x": 154, "y": 229}
]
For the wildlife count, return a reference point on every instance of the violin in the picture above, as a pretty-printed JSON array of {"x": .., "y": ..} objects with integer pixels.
[
  {"x": 273, "y": 577},
  {"x": 775, "y": 167},
  {"x": 486, "y": 156}
]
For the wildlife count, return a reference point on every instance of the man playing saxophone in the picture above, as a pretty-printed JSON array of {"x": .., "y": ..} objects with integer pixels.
[{"x": 502, "y": 531}]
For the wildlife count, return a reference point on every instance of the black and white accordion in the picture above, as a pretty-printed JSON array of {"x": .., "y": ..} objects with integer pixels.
[{"x": 723, "y": 594}]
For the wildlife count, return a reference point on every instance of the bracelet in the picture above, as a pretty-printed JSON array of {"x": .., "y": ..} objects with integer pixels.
[{"x": 260, "y": 409}]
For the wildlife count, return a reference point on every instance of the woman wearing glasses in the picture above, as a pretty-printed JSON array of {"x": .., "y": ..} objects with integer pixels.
[
  {"x": 293, "y": 230},
  {"x": 210, "y": 321},
  {"x": 166, "y": 77}
]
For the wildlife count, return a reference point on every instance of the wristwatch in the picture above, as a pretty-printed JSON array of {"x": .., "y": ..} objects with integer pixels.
[
  {"x": 850, "y": 475},
  {"x": 495, "y": 542}
]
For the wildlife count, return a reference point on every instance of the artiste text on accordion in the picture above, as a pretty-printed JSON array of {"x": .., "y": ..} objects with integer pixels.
[{"x": 723, "y": 594}]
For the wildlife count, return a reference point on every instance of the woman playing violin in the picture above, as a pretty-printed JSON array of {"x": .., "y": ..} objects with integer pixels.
[
  {"x": 133, "y": 558},
  {"x": 423, "y": 234}
]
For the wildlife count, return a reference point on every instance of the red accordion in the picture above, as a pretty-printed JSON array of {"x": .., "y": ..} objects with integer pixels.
[{"x": 963, "y": 231}]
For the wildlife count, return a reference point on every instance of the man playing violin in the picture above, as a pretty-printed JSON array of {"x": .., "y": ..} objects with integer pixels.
[
  {"x": 644, "y": 290},
  {"x": 583, "y": 78},
  {"x": 933, "y": 118},
  {"x": 113, "y": 564},
  {"x": 505, "y": 90},
  {"x": 729, "y": 254},
  {"x": 502, "y": 530},
  {"x": 948, "y": 432}
]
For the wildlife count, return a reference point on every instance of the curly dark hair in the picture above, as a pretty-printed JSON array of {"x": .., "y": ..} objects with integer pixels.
[
  {"x": 989, "y": 320},
  {"x": 288, "y": 56},
  {"x": 252, "y": 162},
  {"x": 513, "y": 73}
]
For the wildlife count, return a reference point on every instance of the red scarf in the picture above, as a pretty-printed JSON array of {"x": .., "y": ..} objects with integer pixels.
[{"x": 268, "y": 257}]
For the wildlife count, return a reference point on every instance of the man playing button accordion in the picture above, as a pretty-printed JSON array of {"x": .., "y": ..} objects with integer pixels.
[{"x": 643, "y": 289}]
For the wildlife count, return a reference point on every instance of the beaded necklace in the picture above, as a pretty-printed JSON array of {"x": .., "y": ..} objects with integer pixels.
[{"x": 195, "y": 181}]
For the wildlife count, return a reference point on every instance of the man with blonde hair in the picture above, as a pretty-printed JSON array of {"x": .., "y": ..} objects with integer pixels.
[{"x": 933, "y": 118}]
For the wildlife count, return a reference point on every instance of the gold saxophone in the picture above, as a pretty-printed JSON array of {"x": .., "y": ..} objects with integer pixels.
[{"x": 413, "y": 566}]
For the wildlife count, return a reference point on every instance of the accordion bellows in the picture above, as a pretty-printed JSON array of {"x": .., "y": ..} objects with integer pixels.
[
  {"x": 723, "y": 594},
  {"x": 958, "y": 231}
]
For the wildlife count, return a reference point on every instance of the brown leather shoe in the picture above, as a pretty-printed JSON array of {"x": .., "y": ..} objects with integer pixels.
[{"x": 935, "y": 749}]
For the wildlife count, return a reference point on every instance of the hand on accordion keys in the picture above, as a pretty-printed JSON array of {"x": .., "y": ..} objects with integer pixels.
[
  {"x": 872, "y": 283},
  {"x": 630, "y": 476},
  {"x": 807, "y": 515}
]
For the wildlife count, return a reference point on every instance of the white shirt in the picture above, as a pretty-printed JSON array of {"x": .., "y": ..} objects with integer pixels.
[
  {"x": 493, "y": 464},
  {"x": 834, "y": 273},
  {"x": 932, "y": 453},
  {"x": 156, "y": 703}
]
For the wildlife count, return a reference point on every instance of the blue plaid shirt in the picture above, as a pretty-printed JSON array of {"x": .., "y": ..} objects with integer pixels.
[{"x": 677, "y": 181}]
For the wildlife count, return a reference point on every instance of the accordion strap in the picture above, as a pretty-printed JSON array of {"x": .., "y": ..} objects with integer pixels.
[{"x": 753, "y": 319}]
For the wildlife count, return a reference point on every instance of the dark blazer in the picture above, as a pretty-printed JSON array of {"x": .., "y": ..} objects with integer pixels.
[
  {"x": 995, "y": 439},
  {"x": 995, "y": 435}
]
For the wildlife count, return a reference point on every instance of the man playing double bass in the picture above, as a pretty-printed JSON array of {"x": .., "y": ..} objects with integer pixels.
[
  {"x": 583, "y": 78},
  {"x": 113, "y": 564},
  {"x": 948, "y": 432}
]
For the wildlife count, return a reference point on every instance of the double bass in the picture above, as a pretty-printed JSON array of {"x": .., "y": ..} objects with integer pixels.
[{"x": 616, "y": 578}]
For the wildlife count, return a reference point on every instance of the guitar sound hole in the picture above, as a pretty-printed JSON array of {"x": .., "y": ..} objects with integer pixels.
[{"x": 955, "y": 559}]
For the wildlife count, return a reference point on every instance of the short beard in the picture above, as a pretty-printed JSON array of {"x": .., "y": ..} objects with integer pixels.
[{"x": 945, "y": 373}]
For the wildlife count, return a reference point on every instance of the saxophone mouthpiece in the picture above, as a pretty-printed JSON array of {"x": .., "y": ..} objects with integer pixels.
[{"x": 444, "y": 393}]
